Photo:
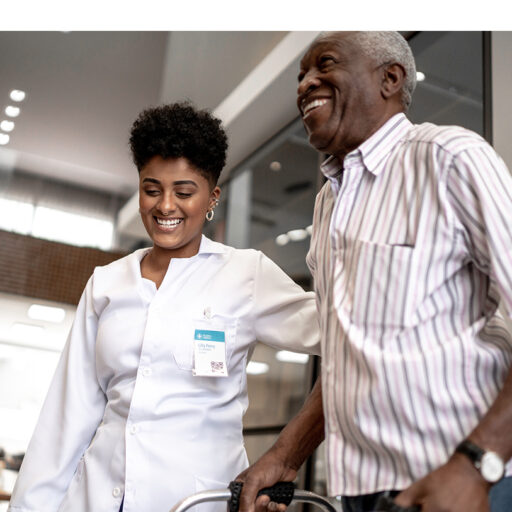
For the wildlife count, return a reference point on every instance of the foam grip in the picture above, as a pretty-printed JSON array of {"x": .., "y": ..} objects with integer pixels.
[{"x": 282, "y": 492}]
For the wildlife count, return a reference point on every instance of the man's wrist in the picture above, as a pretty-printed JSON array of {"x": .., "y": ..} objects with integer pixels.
[
  {"x": 487, "y": 463},
  {"x": 466, "y": 467},
  {"x": 287, "y": 454}
]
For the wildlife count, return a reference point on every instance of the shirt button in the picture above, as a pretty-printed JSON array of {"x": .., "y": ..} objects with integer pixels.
[
  {"x": 116, "y": 492},
  {"x": 147, "y": 372},
  {"x": 134, "y": 429}
]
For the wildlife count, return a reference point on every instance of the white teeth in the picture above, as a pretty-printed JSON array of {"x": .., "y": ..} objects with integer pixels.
[
  {"x": 168, "y": 223},
  {"x": 310, "y": 106}
]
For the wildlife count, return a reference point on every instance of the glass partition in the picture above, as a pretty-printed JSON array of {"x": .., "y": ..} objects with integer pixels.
[
  {"x": 278, "y": 184},
  {"x": 450, "y": 79}
]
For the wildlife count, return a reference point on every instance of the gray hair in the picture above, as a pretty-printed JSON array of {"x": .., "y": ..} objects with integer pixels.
[{"x": 388, "y": 48}]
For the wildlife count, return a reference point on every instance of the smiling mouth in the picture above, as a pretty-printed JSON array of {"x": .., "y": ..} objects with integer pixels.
[
  {"x": 168, "y": 223},
  {"x": 312, "y": 105}
]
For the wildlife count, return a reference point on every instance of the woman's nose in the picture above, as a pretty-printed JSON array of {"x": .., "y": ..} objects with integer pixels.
[{"x": 167, "y": 205}]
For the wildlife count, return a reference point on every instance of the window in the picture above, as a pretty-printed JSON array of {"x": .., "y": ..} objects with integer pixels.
[
  {"x": 16, "y": 216},
  {"x": 61, "y": 212},
  {"x": 71, "y": 228}
]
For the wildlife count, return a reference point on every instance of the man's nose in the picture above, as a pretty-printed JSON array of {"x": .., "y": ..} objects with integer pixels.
[{"x": 309, "y": 82}]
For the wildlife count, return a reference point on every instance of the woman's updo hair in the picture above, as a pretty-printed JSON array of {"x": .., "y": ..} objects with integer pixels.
[{"x": 179, "y": 130}]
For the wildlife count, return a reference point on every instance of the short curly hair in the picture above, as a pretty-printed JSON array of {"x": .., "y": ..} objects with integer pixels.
[{"x": 179, "y": 130}]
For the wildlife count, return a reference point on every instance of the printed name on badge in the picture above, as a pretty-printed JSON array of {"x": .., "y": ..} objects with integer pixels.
[{"x": 210, "y": 353}]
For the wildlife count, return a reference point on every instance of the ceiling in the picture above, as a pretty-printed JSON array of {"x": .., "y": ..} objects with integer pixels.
[{"x": 84, "y": 90}]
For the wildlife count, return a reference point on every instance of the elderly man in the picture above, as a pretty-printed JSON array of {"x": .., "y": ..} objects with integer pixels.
[{"x": 411, "y": 254}]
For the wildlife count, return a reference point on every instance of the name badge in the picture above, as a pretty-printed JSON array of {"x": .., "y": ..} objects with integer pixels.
[{"x": 210, "y": 353}]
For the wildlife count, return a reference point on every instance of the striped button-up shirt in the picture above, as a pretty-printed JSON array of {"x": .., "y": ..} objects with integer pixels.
[{"x": 411, "y": 253}]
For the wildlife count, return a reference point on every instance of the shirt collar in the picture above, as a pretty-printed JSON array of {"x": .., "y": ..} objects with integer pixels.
[
  {"x": 206, "y": 246},
  {"x": 374, "y": 151},
  {"x": 210, "y": 247}
]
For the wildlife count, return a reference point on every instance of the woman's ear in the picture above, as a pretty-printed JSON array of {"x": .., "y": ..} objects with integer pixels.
[
  {"x": 392, "y": 80},
  {"x": 214, "y": 197}
]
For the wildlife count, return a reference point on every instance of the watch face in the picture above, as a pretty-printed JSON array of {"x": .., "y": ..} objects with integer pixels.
[{"x": 492, "y": 467}]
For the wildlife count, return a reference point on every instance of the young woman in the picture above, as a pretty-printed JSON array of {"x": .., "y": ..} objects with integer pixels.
[{"x": 147, "y": 402}]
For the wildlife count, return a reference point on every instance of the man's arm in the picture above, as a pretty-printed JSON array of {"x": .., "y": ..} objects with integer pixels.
[
  {"x": 458, "y": 485},
  {"x": 297, "y": 441},
  {"x": 479, "y": 191}
]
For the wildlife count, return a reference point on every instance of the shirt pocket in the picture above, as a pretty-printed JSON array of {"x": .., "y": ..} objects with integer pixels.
[
  {"x": 380, "y": 278},
  {"x": 182, "y": 342}
]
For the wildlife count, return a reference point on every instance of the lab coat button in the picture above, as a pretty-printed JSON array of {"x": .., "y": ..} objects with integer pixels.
[
  {"x": 147, "y": 372},
  {"x": 116, "y": 492},
  {"x": 134, "y": 429}
]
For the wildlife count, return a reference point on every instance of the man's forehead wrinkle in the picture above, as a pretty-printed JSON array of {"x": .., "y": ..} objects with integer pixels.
[
  {"x": 341, "y": 42},
  {"x": 342, "y": 47}
]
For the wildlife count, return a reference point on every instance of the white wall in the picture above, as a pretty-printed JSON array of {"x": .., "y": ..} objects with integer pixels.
[
  {"x": 501, "y": 44},
  {"x": 501, "y": 94}
]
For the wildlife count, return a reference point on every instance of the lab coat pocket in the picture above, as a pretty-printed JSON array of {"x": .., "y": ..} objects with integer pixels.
[{"x": 184, "y": 335}]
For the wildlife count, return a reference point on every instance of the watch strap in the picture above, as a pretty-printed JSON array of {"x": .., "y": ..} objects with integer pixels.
[
  {"x": 490, "y": 465},
  {"x": 472, "y": 451}
]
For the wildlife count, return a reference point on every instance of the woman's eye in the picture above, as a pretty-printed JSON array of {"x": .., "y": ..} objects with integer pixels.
[
  {"x": 183, "y": 194},
  {"x": 151, "y": 192}
]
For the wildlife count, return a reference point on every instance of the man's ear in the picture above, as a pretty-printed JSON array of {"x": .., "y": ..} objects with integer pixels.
[{"x": 392, "y": 80}]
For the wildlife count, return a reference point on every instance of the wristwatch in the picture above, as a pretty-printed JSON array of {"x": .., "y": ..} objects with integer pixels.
[{"x": 490, "y": 464}]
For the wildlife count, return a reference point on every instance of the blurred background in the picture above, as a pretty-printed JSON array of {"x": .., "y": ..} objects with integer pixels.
[{"x": 68, "y": 188}]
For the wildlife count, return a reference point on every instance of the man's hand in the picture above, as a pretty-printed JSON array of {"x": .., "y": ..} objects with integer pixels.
[
  {"x": 297, "y": 441},
  {"x": 457, "y": 486},
  {"x": 265, "y": 472}
]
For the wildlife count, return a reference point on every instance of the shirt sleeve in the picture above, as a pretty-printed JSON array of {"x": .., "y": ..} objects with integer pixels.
[
  {"x": 71, "y": 413},
  {"x": 479, "y": 188},
  {"x": 285, "y": 316}
]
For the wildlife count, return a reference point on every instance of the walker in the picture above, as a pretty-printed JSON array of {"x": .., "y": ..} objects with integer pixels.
[{"x": 282, "y": 492}]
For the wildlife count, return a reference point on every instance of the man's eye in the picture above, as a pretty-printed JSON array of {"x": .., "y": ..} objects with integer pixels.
[
  {"x": 301, "y": 76},
  {"x": 326, "y": 59}
]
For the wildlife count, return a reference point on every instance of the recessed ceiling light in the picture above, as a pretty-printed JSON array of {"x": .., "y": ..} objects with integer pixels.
[
  {"x": 7, "y": 126},
  {"x": 275, "y": 166},
  {"x": 282, "y": 239},
  {"x": 256, "y": 368},
  {"x": 26, "y": 332},
  {"x": 46, "y": 313},
  {"x": 4, "y": 139},
  {"x": 297, "y": 234},
  {"x": 285, "y": 356},
  {"x": 12, "y": 111},
  {"x": 420, "y": 76},
  {"x": 17, "y": 95}
]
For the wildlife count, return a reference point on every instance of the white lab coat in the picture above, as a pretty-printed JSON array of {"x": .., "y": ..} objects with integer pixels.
[{"x": 124, "y": 415}]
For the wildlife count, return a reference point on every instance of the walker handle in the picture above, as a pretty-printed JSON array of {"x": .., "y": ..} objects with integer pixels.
[{"x": 281, "y": 492}]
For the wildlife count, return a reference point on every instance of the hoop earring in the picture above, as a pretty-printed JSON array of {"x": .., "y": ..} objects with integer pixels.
[{"x": 209, "y": 215}]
